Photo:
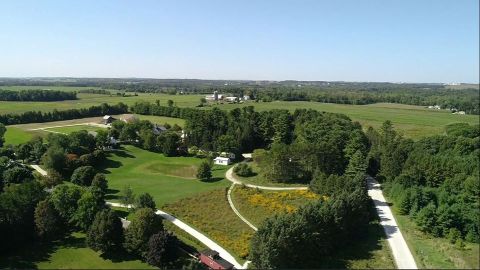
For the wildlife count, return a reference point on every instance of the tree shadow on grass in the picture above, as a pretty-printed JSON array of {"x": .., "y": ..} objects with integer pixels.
[
  {"x": 361, "y": 248},
  {"x": 112, "y": 194},
  {"x": 108, "y": 164},
  {"x": 119, "y": 256},
  {"x": 28, "y": 255},
  {"x": 212, "y": 180}
]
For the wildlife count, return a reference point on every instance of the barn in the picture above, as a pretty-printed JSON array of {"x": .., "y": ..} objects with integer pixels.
[{"x": 211, "y": 259}]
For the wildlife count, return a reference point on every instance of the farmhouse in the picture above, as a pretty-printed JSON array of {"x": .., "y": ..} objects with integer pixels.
[
  {"x": 231, "y": 99},
  {"x": 222, "y": 161},
  {"x": 211, "y": 259},
  {"x": 108, "y": 119}
]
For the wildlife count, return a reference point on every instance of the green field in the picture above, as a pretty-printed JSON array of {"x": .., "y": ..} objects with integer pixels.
[
  {"x": 69, "y": 253},
  {"x": 413, "y": 121},
  {"x": 70, "y": 129},
  {"x": 162, "y": 120},
  {"x": 16, "y": 135},
  {"x": 167, "y": 179},
  {"x": 436, "y": 253}
]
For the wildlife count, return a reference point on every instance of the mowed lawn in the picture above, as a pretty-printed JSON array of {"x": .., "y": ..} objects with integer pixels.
[
  {"x": 15, "y": 135},
  {"x": 167, "y": 179},
  {"x": 68, "y": 253}
]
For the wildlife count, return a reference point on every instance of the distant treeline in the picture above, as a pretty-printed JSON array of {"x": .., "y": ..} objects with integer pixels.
[
  {"x": 39, "y": 117},
  {"x": 148, "y": 108},
  {"x": 94, "y": 91},
  {"x": 36, "y": 95}
]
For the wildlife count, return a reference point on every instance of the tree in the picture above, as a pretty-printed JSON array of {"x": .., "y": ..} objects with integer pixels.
[
  {"x": 170, "y": 144},
  {"x": 243, "y": 169},
  {"x": 83, "y": 175},
  {"x": 48, "y": 223},
  {"x": 54, "y": 158},
  {"x": 144, "y": 224},
  {"x": 86, "y": 210},
  {"x": 227, "y": 143},
  {"x": 145, "y": 200},
  {"x": 203, "y": 101},
  {"x": 204, "y": 171},
  {"x": 99, "y": 187},
  {"x": 64, "y": 198},
  {"x": 127, "y": 197},
  {"x": 170, "y": 103},
  {"x": 161, "y": 248},
  {"x": 52, "y": 179},
  {"x": 106, "y": 232},
  {"x": 356, "y": 165},
  {"x": 17, "y": 175},
  {"x": 3, "y": 129}
]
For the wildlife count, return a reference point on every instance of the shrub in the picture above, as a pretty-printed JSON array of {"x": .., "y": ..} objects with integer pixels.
[{"x": 243, "y": 169}]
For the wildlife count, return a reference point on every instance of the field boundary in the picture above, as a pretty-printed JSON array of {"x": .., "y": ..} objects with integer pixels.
[{"x": 230, "y": 202}]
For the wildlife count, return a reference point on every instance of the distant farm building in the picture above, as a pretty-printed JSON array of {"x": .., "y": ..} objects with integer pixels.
[
  {"x": 215, "y": 97},
  {"x": 108, "y": 119},
  {"x": 231, "y": 99},
  {"x": 222, "y": 161},
  {"x": 128, "y": 118},
  {"x": 211, "y": 259}
]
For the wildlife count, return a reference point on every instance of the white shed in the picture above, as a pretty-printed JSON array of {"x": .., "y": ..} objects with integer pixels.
[{"x": 222, "y": 161}]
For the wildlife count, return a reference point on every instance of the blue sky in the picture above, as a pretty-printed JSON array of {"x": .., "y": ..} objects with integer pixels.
[{"x": 357, "y": 40}]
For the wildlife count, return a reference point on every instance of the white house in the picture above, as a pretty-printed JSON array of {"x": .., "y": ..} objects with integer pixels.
[
  {"x": 227, "y": 155},
  {"x": 231, "y": 99},
  {"x": 222, "y": 161}
]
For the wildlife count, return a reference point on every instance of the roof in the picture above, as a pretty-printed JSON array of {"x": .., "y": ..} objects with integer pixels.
[
  {"x": 214, "y": 255},
  {"x": 107, "y": 117},
  {"x": 209, "y": 253},
  {"x": 247, "y": 155},
  {"x": 221, "y": 158}
]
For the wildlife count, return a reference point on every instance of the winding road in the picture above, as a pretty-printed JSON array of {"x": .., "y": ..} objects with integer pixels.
[{"x": 229, "y": 175}]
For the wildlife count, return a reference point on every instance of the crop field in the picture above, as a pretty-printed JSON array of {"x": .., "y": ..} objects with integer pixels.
[
  {"x": 15, "y": 135},
  {"x": 167, "y": 179},
  {"x": 68, "y": 253}
]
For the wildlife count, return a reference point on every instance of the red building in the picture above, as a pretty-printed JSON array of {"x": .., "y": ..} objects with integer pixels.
[{"x": 211, "y": 259}]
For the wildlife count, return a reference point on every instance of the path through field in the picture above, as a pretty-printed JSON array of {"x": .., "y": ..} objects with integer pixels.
[
  {"x": 201, "y": 237},
  {"x": 401, "y": 253}
]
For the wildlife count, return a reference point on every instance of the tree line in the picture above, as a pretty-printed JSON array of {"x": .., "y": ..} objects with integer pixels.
[
  {"x": 56, "y": 115},
  {"x": 36, "y": 95},
  {"x": 434, "y": 180}
]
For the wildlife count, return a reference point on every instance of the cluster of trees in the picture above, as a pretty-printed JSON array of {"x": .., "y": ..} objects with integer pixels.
[
  {"x": 94, "y": 91},
  {"x": 148, "y": 108},
  {"x": 36, "y": 95},
  {"x": 434, "y": 180},
  {"x": 311, "y": 236},
  {"x": 142, "y": 134},
  {"x": 55, "y": 115},
  {"x": 35, "y": 207},
  {"x": 311, "y": 142}
]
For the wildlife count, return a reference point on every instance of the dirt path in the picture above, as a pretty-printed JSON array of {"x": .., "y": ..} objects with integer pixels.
[
  {"x": 401, "y": 253},
  {"x": 229, "y": 175},
  {"x": 230, "y": 201},
  {"x": 38, "y": 169}
]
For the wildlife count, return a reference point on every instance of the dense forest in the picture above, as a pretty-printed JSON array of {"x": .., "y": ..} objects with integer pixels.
[
  {"x": 36, "y": 95},
  {"x": 434, "y": 180}
]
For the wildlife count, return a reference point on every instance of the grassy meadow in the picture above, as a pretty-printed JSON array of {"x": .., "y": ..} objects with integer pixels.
[
  {"x": 258, "y": 179},
  {"x": 70, "y": 129},
  {"x": 167, "y": 179}
]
